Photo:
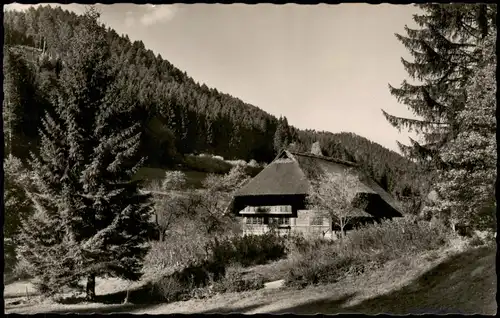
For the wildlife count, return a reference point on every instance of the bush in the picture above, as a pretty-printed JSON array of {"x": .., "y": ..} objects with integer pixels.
[
  {"x": 234, "y": 281},
  {"x": 218, "y": 264},
  {"x": 321, "y": 261},
  {"x": 170, "y": 288},
  {"x": 249, "y": 250},
  {"x": 480, "y": 238},
  {"x": 398, "y": 237},
  {"x": 207, "y": 164},
  {"x": 324, "y": 264},
  {"x": 177, "y": 251},
  {"x": 190, "y": 281}
]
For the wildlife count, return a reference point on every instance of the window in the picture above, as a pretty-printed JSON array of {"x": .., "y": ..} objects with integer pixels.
[
  {"x": 255, "y": 220},
  {"x": 281, "y": 221},
  {"x": 248, "y": 220}
]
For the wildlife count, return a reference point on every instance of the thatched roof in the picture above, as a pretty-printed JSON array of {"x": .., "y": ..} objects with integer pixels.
[
  {"x": 292, "y": 174},
  {"x": 282, "y": 176}
]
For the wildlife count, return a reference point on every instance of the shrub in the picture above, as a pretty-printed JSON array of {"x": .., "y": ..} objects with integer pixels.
[
  {"x": 476, "y": 241},
  {"x": 249, "y": 250},
  {"x": 170, "y": 288},
  {"x": 207, "y": 164},
  {"x": 234, "y": 281},
  {"x": 177, "y": 251},
  {"x": 321, "y": 261},
  {"x": 324, "y": 262},
  {"x": 398, "y": 237},
  {"x": 219, "y": 264},
  {"x": 189, "y": 282}
]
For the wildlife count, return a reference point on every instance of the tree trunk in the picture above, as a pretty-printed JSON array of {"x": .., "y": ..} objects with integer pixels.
[
  {"x": 341, "y": 230},
  {"x": 91, "y": 287}
]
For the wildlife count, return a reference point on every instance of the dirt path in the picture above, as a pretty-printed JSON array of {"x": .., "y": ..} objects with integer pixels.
[{"x": 437, "y": 282}]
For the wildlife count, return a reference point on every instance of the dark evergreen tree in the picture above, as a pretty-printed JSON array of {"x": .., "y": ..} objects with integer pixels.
[
  {"x": 282, "y": 136},
  {"x": 90, "y": 219},
  {"x": 16, "y": 205},
  {"x": 445, "y": 51}
]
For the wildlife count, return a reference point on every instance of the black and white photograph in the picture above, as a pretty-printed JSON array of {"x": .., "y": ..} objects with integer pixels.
[{"x": 250, "y": 159}]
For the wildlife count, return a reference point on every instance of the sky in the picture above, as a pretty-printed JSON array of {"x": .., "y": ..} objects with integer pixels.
[{"x": 324, "y": 67}]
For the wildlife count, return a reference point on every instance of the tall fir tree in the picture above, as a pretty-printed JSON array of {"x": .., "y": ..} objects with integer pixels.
[
  {"x": 20, "y": 116},
  {"x": 466, "y": 184},
  {"x": 445, "y": 51},
  {"x": 16, "y": 206},
  {"x": 282, "y": 136},
  {"x": 90, "y": 219}
]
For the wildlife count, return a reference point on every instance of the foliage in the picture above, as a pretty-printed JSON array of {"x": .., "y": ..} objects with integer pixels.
[
  {"x": 283, "y": 135},
  {"x": 213, "y": 201},
  {"x": 234, "y": 281},
  {"x": 217, "y": 270},
  {"x": 207, "y": 164},
  {"x": 445, "y": 50},
  {"x": 166, "y": 199},
  {"x": 316, "y": 149},
  {"x": 16, "y": 205},
  {"x": 467, "y": 181},
  {"x": 16, "y": 202},
  {"x": 174, "y": 180},
  {"x": 23, "y": 104},
  {"x": 90, "y": 219},
  {"x": 249, "y": 250},
  {"x": 323, "y": 261},
  {"x": 335, "y": 197},
  {"x": 184, "y": 244}
]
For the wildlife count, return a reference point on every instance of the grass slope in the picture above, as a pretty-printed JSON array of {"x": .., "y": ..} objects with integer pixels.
[{"x": 445, "y": 281}]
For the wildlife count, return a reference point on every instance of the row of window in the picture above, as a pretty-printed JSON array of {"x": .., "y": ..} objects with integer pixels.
[
  {"x": 263, "y": 220},
  {"x": 265, "y": 209},
  {"x": 317, "y": 220}
]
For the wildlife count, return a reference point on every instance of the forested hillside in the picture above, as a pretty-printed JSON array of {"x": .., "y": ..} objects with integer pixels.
[{"x": 179, "y": 115}]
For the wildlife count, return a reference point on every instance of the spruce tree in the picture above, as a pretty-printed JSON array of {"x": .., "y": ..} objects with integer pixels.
[
  {"x": 282, "y": 136},
  {"x": 16, "y": 205},
  {"x": 19, "y": 96},
  {"x": 465, "y": 185},
  {"x": 445, "y": 51},
  {"x": 90, "y": 219}
]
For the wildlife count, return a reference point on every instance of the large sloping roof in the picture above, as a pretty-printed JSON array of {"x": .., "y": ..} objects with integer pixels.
[
  {"x": 292, "y": 173},
  {"x": 280, "y": 177}
]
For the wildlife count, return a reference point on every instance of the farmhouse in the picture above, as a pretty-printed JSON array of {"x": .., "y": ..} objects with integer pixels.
[{"x": 277, "y": 196}]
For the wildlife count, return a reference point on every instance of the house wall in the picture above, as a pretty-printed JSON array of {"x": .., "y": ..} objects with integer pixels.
[{"x": 299, "y": 224}]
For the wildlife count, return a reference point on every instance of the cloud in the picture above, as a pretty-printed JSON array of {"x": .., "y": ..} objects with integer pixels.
[
  {"x": 158, "y": 14},
  {"x": 129, "y": 19},
  {"x": 150, "y": 14},
  {"x": 146, "y": 15},
  {"x": 22, "y": 7},
  {"x": 77, "y": 8}
]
